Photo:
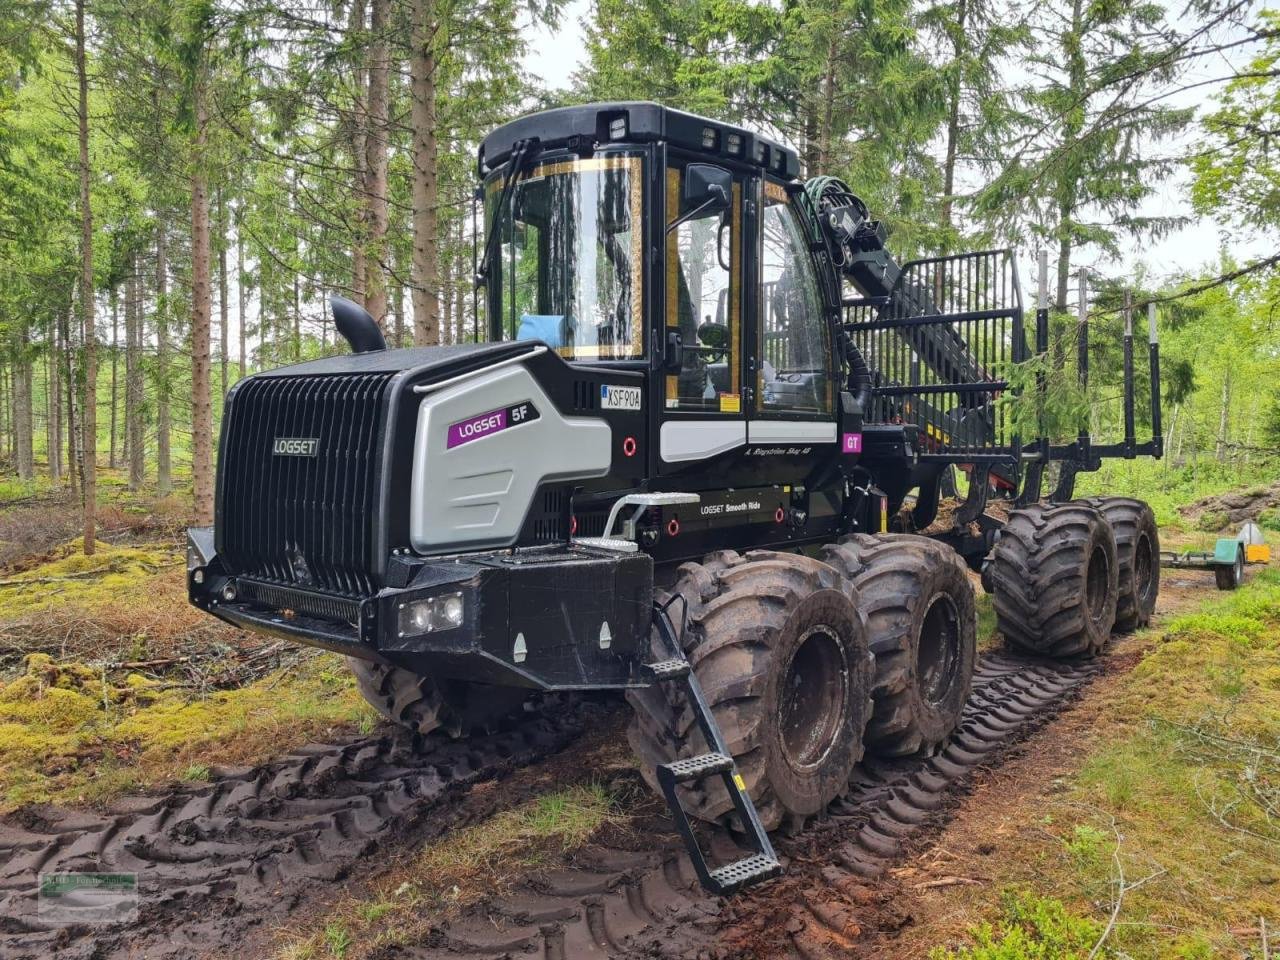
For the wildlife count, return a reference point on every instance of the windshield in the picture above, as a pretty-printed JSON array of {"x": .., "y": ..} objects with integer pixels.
[{"x": 568, "y": 257}]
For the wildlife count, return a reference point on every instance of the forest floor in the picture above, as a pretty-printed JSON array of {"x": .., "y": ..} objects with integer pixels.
[
  {"x": 1143, "y": 820},
  {"x": 110, "y": 681}
]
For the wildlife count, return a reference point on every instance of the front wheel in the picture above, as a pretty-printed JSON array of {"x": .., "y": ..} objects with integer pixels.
[
  {"x": 423, "y": 704},
  {"x": 779, "y": 646}
]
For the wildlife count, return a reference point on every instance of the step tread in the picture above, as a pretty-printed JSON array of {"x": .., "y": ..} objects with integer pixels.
[
  {"x": 703, "y": 765},
  {"x": 671, "y": 669},
  {"x": 740, "y": 873}
]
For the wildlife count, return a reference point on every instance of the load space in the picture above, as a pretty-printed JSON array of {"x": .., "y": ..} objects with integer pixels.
[{"x": 696, "y": 455}]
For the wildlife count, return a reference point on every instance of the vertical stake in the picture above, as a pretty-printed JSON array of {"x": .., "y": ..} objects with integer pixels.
[
  {"x": 1128, "y": 373},
  {"x": 1153, "y": 359},
  {"x": 1082, "y": 348}
]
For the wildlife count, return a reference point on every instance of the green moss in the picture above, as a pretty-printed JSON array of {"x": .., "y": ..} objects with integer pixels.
[
  {"x": 68, "y": 735},
  {"x": 93, "y": 582},
  {"x": 1030, "y": 928}
]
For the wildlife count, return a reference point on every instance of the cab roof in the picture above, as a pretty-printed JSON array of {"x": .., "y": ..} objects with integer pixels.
[{"x": 638, "y": 121}]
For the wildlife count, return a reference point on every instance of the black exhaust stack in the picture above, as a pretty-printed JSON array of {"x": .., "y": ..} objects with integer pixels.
[{"x": 356, "y": 325}]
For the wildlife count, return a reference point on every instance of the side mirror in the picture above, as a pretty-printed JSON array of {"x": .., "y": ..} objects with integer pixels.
[{"x": 706, "y": 187}]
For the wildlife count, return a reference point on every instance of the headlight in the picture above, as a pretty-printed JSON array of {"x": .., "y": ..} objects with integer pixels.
[{"x": 431, "y": 613}]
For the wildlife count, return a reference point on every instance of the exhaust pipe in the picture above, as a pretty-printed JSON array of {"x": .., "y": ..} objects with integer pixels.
[{"x": 356, "y": 325}]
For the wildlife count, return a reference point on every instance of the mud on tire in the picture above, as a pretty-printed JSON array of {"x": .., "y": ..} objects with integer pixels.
[
  {"x": 1054, "y": 573},
  {"x": 423, "y": 704},
  {"x": 922, "y": 626},
  {"x": 779, "y": 646},
  {"x": 1137, "y": 556}
]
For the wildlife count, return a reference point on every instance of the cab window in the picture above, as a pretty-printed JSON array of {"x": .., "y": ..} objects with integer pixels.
[
  {"x": 703, "y": 304},
  {"x": 793, "y": 374},
  {"x": 569, "y": 258}
]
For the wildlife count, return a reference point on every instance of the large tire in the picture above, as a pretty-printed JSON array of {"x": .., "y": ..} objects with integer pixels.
[
  {"x": 1055, "y": 575},
  {"x": 423, "y": 704},
  {"x": 779, "y": 646},
  {"x": 922, "y": 623},
  {"x": 1138, "y": 556}
]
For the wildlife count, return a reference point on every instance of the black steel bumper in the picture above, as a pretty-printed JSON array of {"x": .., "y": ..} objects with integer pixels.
[{"x": 554, "y": 618}]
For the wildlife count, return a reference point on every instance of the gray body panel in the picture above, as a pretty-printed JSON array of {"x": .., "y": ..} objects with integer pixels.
[{"x": 477, "y": 493}]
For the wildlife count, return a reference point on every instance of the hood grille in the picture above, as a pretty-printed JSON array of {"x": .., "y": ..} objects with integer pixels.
[{"x": 298, "y": 480}]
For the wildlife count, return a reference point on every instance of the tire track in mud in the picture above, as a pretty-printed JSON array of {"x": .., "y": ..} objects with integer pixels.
[
  {"x": 215, "y": 859},
  {"x": 609, "y": 901}
]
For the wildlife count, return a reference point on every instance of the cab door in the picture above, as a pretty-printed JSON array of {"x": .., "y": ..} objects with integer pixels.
[
  {"x": 791, "y": 367},
  {"x": 703, "y": 409}
]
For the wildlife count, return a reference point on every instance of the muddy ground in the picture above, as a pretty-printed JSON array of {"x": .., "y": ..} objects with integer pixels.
[{"x": 242, "y": 862}]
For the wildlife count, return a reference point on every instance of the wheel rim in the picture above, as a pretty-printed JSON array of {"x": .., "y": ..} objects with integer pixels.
[
  {"x": 938, "y": 652},
  {"x": 1096, "y": 583},
  {"x": 814, "y": 693},
  {"x": 1144, "y": 565}
]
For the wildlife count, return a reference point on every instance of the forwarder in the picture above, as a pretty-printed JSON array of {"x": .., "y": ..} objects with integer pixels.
[{"x": 674, "y": 463}]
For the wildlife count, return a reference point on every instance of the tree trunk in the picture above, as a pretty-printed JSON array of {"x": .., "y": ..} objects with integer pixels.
[
  {"x": 90, "y": 432},
  {"x": 222, "y": 292},
  {"x": 201, "y": 310},
  {"x": 397, "y": 307},
  {"x": 359, "y": 156},
  {"x": 133, "y": 386},
  {"x": 953, "y": 121},
  {"x": 20, "y": 395},
  {"x": 810, "y": 157},
  {"x": 446, "y": 286},
  {"x": 1067, "y": 191},
  {"x": 461, "y": 275},
  {"x": 115, "y": 375},
  {"x": 297, "y": 319},
  {"x": 53, "y": 398},
  {"x": 241, "y": 291},
  {"x": 1224, "y": 416},
  {"x": 828, "y": 106},
  {"x": 164, "y": 417},
  {"x": 422, "y": 114},
  {"x": 378, "y": 130},
  {"x": 8, "y": 438},
  {"x": 68, "y": 390}
]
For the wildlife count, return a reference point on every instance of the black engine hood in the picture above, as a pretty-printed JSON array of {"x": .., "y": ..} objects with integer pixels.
[{"x": 432, "y": 363}]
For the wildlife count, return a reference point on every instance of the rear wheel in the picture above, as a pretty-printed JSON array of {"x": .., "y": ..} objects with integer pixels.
[
  {"x": 1055, "y": 575},
  {"x": 1137, "y": 556},
  {"x": 779, "y": 647},
  {"x": 923, "y": 632},
  {"x": 423, "y": 704}
]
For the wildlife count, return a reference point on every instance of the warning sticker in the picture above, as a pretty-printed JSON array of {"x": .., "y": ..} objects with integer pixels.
[{"x": 730, "y": 403}]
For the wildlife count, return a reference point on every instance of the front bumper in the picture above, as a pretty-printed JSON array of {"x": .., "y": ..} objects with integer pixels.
[{"x": 551, "y": 618}]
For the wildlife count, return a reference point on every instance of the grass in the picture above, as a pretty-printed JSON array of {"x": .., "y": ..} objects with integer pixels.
[
  {"x": 70, "y": 734},
  {"x": 1180, "y": 795},
  {"x": 457, "y": 871},
  {"x": 1167, "y": 487}
]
